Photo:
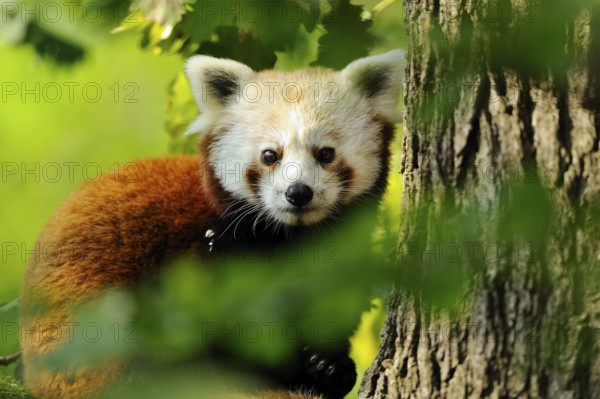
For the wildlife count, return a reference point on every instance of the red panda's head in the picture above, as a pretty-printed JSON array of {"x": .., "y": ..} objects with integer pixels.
[{"x": 296, "y": 146}]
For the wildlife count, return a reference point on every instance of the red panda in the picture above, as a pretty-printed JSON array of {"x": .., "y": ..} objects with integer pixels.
[{"x": 303, "y": 146}]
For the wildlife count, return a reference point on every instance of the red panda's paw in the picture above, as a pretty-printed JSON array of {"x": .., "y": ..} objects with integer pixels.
[{"x": 333, "y": 372}]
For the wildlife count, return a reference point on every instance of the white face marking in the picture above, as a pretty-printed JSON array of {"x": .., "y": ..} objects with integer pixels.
[
  {"x": 297, "y": 131},
  {"x": 296, "y": 123},
  {"x": 324, "y": 109}
]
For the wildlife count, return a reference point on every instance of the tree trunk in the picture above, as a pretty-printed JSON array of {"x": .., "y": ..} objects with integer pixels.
[{"x": 501, "y": 171}]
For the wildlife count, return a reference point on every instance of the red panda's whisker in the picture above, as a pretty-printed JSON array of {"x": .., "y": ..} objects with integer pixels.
[
  {"x": 250, "y": 211},
  {"x": 233, "y": 204},
  {"x": 248, "y": 208}
]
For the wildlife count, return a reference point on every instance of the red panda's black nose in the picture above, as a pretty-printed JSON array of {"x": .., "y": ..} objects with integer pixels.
[{"x": 299, "y": 194}]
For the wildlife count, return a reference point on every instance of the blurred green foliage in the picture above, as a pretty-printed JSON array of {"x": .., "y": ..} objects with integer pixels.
[
  {"x": 260, "y": 308},
  {"x": 10, "y": 389}
]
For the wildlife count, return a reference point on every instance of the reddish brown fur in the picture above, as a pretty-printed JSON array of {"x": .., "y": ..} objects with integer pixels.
[
  {"x": 253, "y": 174},
  {"x": 215, "y": 196},
  {"x": 109, "y": 233},
  {"x": 345, "y": 174},
  {"x": 124, "y": 228}
]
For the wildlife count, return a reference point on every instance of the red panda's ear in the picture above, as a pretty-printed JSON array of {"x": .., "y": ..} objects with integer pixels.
[
  {"x": 215, "y": 82},
  {"x": 379, "y": 79}
]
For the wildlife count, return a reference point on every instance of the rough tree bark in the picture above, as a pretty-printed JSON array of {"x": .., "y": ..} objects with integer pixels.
[{"x": 485, "y": 118}]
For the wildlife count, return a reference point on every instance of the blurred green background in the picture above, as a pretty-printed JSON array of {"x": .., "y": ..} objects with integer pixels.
[{"x": 51, "y": 141}]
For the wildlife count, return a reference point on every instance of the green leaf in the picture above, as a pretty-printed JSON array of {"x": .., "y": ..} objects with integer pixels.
[
  {"x": 165, "y": 12},
  {"x": 181, "y": 110},
  {"x": 344, "y": 24},
  {"x": 10, "y": 389},
  {"x": 303, "y": 51},
  {"x": 241, "y": 46},
  {"x": 50, "y": 46}
]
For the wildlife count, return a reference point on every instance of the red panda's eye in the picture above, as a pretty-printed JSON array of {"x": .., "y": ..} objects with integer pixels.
[
  {"x": 269, "y": 157},
  {"x": 326, "y": 155}
]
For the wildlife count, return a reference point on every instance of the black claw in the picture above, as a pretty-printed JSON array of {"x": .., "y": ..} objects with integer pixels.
[
  {"x": 332, "y": 374},
  {"x": 321, "y": 365}
]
